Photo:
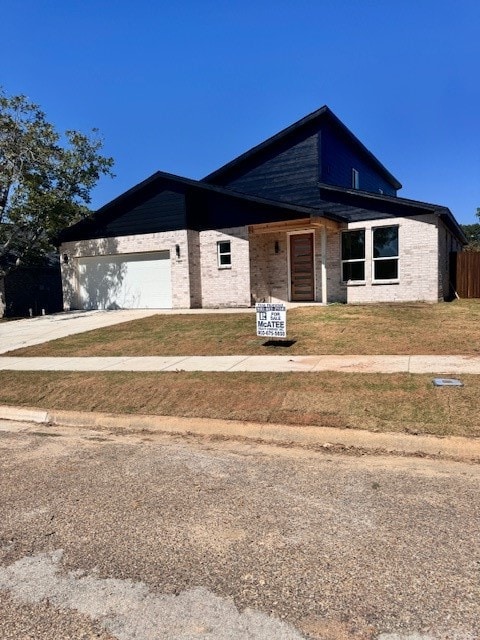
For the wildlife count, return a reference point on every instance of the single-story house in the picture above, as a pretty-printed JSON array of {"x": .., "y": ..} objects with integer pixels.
[{"x": 309, "y": 215}]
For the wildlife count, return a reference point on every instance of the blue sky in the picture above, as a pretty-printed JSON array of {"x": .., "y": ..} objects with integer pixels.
[{"x": 186, "y": 86}]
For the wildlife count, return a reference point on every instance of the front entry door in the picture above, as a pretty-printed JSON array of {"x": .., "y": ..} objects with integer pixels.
[{"x": 302, "y": 280}]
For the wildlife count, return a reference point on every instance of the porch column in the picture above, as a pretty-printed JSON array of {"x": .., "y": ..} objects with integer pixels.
[{"x": 324, "y": 264}]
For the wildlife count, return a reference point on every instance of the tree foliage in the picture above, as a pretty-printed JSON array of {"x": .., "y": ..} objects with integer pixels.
[
  {"x": 45, "y": 179},
  {"x": 472, "y": 232}
]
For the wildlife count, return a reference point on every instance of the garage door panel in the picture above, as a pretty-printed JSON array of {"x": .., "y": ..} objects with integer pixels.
[{"x": 127, "y": 281}]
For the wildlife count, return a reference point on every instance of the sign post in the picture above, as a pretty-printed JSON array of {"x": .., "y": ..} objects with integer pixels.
[{"x": 271, "y": 320}]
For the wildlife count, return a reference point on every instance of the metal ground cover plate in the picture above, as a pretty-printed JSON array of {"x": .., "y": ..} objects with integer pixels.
[{"x": 447, "y": 382}]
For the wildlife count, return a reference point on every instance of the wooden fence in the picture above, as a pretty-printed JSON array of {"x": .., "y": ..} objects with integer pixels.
[{"x": 465, "y": 273}]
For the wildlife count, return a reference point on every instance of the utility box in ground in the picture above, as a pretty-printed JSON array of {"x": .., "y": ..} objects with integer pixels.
[{"x": 271, "y": 320}]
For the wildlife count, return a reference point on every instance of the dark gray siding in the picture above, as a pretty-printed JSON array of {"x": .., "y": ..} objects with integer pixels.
[
  {"x": 339, "y": 158},
  {"x": 151, "y": 213},
  {"x": 163, "y": 212},
  {"x": 215, "y": 211},
  {"x": 288, "y": 173}
]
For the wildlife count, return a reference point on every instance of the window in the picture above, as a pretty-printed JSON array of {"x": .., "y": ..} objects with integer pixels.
[
  {"x": 355, "y": 179},
  {"x": 224, "y": 255},
  {"x": 353, "y": 256},
  {"x": 385, "y": 253}
]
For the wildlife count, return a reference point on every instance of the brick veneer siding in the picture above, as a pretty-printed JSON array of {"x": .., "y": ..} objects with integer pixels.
[
  {"x": 225, "y": 287},
  {"x": 194, "y": 268},
  {"x": 165, "y": 241},
  {"x": 418, "y": 263},
  {"x": 259, "y": 274},
  {"x": 269, "y": 271},
  {"x": 336, "y": 289}
]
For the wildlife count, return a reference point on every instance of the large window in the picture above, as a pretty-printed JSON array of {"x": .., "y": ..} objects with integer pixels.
[
  {"x": 224, "y": 254},
  {"x": 385, "y": 253},
  {"x": 353, "y": 256}
]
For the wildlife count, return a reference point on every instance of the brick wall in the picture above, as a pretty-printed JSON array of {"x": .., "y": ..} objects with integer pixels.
[
  {"x": 336, "y": 289},
  {"x": 194, "y": 268},
  {"x": 258, "y": 273},
  {"x": 225, "y": 287},
  {"x": 418, "y": 264},
  {"x": 269, "y": 271},
  {"x": 165, "y": 241}
]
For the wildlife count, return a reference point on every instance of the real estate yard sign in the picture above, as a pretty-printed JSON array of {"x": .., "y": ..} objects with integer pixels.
[{"x": 271, "y": 320}]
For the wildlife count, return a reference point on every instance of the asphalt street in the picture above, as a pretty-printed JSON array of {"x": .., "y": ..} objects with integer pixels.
[{"x": 146, "y": 536}]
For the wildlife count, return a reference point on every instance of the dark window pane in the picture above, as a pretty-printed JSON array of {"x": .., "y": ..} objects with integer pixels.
[
  {"x": 385, "y": 269},
  {"x": 224, "y": 247},
  {"x": 226, "y": 259},
  {"x": 353, "y": 245},
  {"x": 385, "y": 242},
  {"x": 353, "y": 271}
]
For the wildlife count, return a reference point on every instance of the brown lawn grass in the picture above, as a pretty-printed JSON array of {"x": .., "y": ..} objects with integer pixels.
[
  {"x": 399, "y": 402},
  {"x": 402, "y": 329}
]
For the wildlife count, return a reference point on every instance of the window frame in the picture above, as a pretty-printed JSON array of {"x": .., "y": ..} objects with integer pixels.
[
  {"x": 221, "y": 254},
  {"x": 384, "y": 258},
  {"x": 364, "y": 259},
  {"x": 355, "y": 178}
]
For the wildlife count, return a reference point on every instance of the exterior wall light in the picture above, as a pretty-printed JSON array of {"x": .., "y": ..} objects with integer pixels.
[
  {"x": 277, "y": 246},
  {"x": 177, "y": 250},
  {"x": 65, "y": 258}
]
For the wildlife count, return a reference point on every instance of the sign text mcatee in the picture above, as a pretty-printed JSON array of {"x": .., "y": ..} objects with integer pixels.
[{"x": 271, "y": 320}]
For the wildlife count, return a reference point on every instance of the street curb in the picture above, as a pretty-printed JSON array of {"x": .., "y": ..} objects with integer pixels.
[
  {"x": 21, "y": 414},
  {"x": 356, "y": 441}
]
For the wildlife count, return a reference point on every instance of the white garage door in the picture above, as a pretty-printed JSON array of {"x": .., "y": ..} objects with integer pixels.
[{"x": 127, "y": 281}]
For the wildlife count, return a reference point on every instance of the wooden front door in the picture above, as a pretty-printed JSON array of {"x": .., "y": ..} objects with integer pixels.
[{"x": 302, "y": 280}]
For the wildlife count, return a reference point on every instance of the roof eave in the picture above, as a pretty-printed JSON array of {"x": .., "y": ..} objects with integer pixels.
[
  {"x": 171, "y": 180},
  {"x": 424, "y": 207}
]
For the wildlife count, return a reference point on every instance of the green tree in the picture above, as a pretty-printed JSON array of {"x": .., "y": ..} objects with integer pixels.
[
  {"x": 45, "y": 179},
  {"x": 472, "y": 232}
]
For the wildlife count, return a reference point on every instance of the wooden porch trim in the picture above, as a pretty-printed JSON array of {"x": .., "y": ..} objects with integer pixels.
[{"x": 306, "y": 224}]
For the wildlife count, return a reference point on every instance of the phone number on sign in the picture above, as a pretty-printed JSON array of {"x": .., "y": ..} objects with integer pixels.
[{"x": 270, "y": 333}]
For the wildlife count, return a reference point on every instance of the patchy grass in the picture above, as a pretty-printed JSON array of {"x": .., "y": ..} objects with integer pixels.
[
  {"x": 398, "y": 402},
  {"x": 402, "y": 329}
]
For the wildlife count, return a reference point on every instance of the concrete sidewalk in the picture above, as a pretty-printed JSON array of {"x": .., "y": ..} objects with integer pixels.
[
  {"x": 438, "y": 365},
  {"x": 327, "y": 439}
]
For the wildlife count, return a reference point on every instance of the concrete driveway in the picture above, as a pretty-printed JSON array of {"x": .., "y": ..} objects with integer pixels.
[{"x": 16, "y": 334}]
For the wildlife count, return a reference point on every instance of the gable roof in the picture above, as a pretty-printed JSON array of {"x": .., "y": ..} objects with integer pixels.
[
  {"x": 170, "y": 180},
  {"x": 161, "y": 180},
  {"x": 337, "y": 203},
  {"x": 322, "y": 115}
]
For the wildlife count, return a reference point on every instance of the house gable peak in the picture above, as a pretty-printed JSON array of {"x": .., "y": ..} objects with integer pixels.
[{"x": 322, "y": 116}]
